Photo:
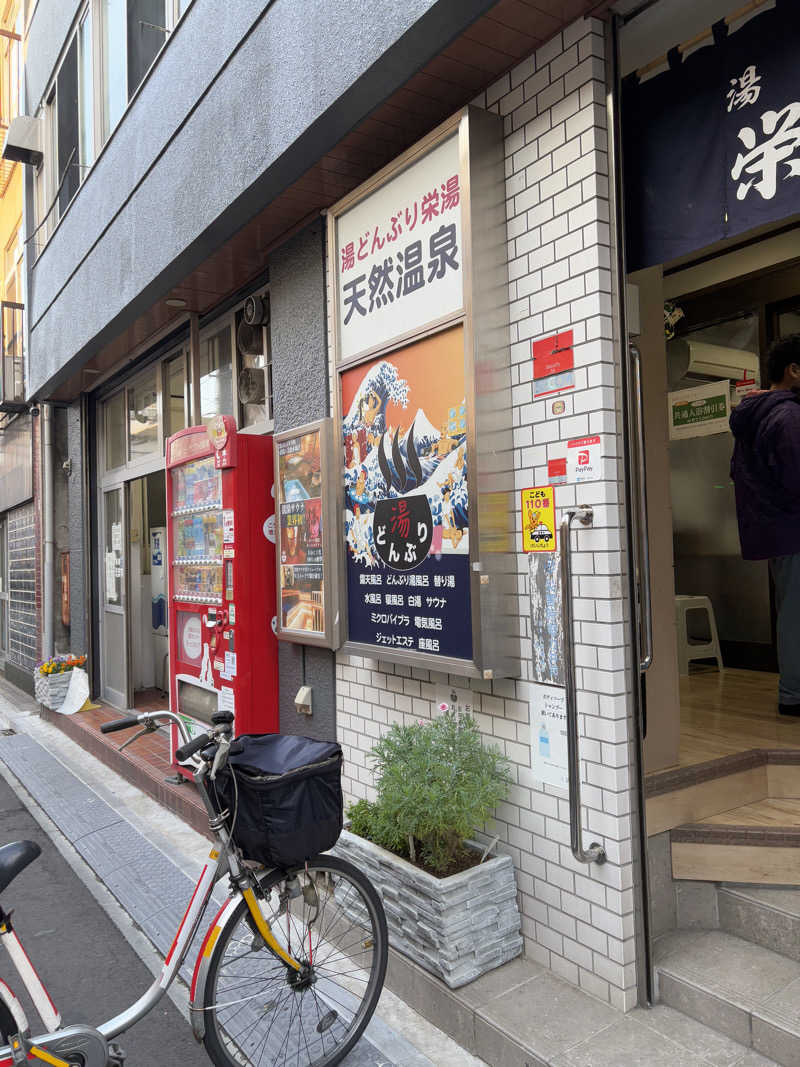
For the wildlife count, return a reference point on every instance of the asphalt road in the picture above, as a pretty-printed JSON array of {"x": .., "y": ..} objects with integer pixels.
[{"x": 89, "y": 969}]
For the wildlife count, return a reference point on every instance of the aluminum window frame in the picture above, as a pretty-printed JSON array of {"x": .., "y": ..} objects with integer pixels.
[
  {"x": 138, "y": 468},
  {"x": 47, "y": 179}
]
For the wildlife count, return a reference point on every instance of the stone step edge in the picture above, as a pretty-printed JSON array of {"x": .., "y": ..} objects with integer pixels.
[
  {"x": 744, "y": 892},
  {"x": 660, "y": 782},
  {"x": 759, "y": 1012},
  {"x": 448, "y": 1010},
  {"x": 704, "y": 833}
]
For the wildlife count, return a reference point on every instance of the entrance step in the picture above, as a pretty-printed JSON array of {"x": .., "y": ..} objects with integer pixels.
[
  {"x": 740, "y": 989},
  {"x": 755, "y": 843},
  {"x": 700, "y": 791},
  {"x": 767, "y": 917}
]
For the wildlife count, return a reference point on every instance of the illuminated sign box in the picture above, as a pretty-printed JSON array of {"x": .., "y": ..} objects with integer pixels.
[{"x": 422, "y": 396}]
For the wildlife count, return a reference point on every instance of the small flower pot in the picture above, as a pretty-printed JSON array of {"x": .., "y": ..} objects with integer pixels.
[
  {"x": 51, "y": 689},
  {"x": 457, "y": 927}
]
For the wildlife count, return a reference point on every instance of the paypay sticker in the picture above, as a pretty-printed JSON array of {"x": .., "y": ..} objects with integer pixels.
[{"x": 539, "y": 519}]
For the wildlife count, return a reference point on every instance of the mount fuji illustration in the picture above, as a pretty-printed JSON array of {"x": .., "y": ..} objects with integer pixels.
[{"x": 425, "y": 433}]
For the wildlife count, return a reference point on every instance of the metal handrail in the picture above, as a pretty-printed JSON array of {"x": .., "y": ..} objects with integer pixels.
[
  {"x": 595, "y": 853},
  {"x": 643, "y": 533}
]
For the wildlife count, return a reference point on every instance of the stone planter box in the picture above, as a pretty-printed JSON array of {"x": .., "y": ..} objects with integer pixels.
[
  {"x": 51, "y": 689},
  {"x": 458, "y": 927}
]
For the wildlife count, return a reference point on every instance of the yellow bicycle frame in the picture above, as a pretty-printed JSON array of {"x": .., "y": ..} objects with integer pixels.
[{"x": 265, "y": 930}]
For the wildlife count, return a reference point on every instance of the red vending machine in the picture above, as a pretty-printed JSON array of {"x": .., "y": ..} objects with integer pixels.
[{"x": 221, "y": 545}]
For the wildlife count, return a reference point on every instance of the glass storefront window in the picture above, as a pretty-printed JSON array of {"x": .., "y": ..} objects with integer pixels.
[
  {"x": 143, "y": 415},
  {"x": 214, "y": 367},
  {"x": 115, "y": 431},
  {"x": 174, "y": 407}
]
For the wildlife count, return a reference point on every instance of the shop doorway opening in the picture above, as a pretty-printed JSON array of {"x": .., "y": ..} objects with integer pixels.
[
  {"x": 134, "y": 578},
  {"x": 718, "y": 755},
  {"x": 147, "y": 584}
]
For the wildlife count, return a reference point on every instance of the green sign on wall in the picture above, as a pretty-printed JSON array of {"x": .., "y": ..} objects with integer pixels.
[{"x": 699, "y": 411}]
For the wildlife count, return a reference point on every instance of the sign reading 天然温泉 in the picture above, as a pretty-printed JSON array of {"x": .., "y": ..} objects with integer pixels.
[
  {"x": 400, "y": 254},
  {"x": 426, "y": 545},
  {"x": 712, "y": 145}
]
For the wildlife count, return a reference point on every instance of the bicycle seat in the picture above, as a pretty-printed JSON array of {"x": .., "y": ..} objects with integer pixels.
[{"x": 15, "y": 858}]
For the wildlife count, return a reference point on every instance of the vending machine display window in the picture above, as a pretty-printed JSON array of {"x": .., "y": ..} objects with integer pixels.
[
  {"x": 306, "y": 569},
  {"x": 190, "y": 638}
]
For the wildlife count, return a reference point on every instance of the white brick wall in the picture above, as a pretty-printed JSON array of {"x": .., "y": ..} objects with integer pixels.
[{"x": 577, "y": 919}]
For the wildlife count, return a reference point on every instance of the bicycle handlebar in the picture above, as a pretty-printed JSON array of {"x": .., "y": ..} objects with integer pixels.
[
  {"x": 189, "y": 749},
  {"x": 119, "y": 724},
  {"x": 189, "y": 746}
]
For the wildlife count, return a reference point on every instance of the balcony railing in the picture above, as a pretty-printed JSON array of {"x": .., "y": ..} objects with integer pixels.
[{"x": 12, "y": 371}]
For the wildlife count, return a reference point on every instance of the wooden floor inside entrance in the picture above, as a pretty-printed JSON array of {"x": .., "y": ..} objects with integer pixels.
[{"x": 730, "y": 711}]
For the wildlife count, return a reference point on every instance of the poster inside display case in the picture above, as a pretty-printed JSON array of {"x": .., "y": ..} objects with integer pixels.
[
  {"x": 306, "y": 579},
  {"x": 406, "y": 515}
]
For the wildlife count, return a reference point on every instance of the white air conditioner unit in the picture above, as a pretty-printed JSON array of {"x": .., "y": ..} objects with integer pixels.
[{"x": 697, "y": 359}]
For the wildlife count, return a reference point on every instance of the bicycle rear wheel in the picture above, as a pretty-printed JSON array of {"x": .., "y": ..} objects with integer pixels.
[{"x": 261, "y": 1013}]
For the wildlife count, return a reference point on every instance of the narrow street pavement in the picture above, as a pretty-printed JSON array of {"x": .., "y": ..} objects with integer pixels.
[
  {"x": 88, "y": 967},
  {"x": 98, "y": 910}
]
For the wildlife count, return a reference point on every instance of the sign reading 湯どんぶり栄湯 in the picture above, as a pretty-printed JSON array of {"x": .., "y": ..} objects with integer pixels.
[{"x": 399, "y": 254}]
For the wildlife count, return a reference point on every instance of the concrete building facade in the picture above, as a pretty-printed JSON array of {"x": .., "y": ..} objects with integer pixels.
[{"x": 199, "y": 177}]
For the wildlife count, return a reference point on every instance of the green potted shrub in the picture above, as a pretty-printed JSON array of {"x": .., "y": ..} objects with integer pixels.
[{"x": 450, "y": 905}]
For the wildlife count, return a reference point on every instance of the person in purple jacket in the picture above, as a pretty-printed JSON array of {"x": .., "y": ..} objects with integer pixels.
[{"x": 766, "y": 473}]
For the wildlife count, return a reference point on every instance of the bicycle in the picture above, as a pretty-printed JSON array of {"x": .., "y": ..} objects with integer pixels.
[{"x": 288, "y": 973}]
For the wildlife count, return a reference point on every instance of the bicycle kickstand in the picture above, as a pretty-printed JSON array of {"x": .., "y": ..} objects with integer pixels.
[{"x": 116, "y": 1056}]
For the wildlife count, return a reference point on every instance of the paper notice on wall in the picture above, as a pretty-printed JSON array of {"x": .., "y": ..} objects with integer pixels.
[
  {"x": 584, "y": 462},
  {"x": 116, "y": 536},
  {"x": 553, "y": 364},
  {"x": 226, "y": 700},
  {"x": 741, "y": 389},
  {"x": 548, "y": 719},
  {"x": 111, "y": 577},
  {"x": 228, "y": 526},
  {"x": 699, "y": 412},
  {"x": 230, "y": 664},
  {"x": 77, "y": 693}
]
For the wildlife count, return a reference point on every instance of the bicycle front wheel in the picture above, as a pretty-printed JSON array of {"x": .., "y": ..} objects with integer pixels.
[{"x": 259, "y": 1012}]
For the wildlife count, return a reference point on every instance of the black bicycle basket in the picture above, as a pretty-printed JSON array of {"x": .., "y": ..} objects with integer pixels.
[{"x": 289, "y": 806}]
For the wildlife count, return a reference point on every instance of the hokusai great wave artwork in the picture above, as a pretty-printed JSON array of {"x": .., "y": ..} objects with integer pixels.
[{"x": 404, "y": 438}]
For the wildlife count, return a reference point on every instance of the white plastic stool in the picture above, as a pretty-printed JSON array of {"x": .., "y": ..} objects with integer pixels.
[{"x": 698, "y": 650}]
